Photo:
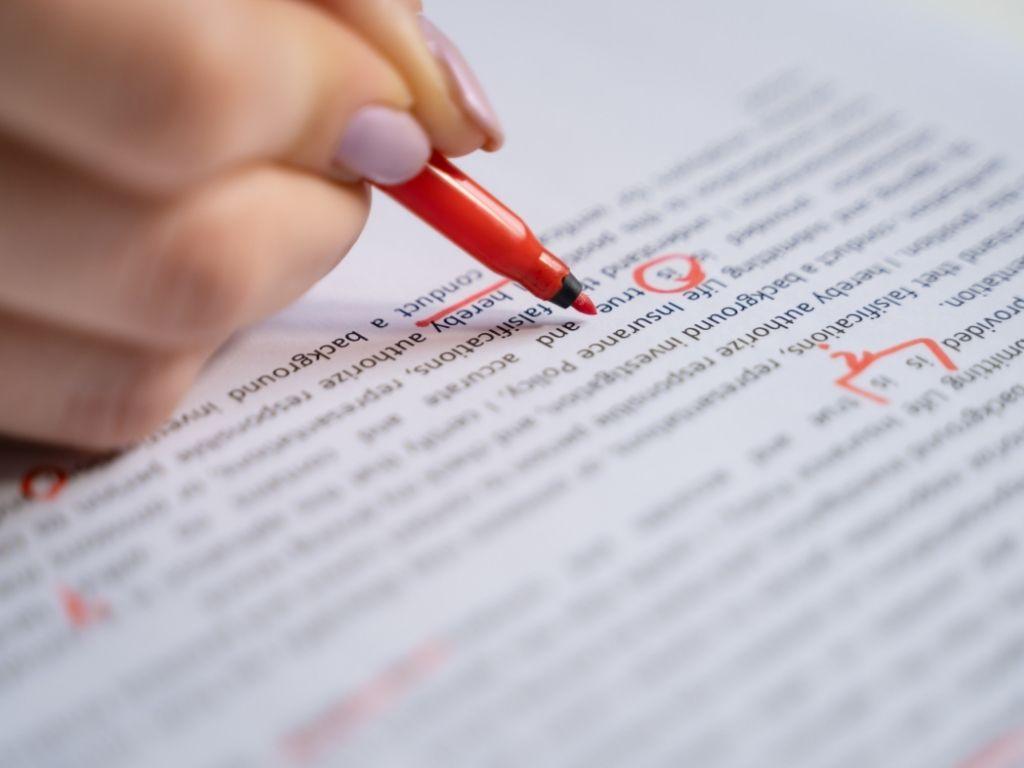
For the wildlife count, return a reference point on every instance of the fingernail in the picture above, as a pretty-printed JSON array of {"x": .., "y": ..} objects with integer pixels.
[
  {"x": 466, "y": 88},
  {"x": 384, "y": 145}
]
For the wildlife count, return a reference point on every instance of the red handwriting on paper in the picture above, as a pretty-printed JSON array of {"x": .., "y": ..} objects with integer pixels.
[
  {"x": 1006, "y": 752},
  {"x": 80, "y": 611},
  {"x": 693, "y": 277},
  {"x": 44, "y": 482},
  {"x": 857, "y": 364},
  {"x": 330, "y": 728},
  {"x": 460, "y": 304}
]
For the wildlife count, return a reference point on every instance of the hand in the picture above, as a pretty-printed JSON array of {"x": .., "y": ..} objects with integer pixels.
[{"x": 172, "y": 170}]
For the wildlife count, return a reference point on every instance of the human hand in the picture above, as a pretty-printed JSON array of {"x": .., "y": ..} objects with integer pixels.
[{"x": 172, "y": 170}]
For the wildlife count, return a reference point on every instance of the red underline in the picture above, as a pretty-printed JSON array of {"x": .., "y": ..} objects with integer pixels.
[{"x": 460, "y": 304}]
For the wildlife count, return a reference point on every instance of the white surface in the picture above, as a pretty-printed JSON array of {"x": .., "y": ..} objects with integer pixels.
[{"x": 997, "y": 17}]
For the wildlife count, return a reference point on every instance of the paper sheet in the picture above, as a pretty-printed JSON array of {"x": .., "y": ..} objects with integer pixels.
[{"x": 429, "y": 521}]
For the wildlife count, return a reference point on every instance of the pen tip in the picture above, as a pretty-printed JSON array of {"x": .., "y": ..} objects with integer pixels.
[{"x": 584, "y": 304}]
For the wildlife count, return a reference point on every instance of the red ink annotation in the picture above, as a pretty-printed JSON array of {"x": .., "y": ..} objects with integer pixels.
[
  {"x": 81, "y": 611},
  {"x": 329, "y": 730},
  {"x": 858, "y": 364},
  {"x": 462, "y": 303},
  {"x": 669, "y": 279},
  {"x": 43, "y": 483}
]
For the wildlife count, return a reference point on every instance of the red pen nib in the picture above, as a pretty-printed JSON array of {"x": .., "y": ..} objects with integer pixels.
[{"x": 584, "y": 304}]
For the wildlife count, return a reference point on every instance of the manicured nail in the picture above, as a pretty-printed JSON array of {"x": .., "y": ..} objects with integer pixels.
[
  {"x": 466, "y": 88},
  {"x": 384, "y": 145}
]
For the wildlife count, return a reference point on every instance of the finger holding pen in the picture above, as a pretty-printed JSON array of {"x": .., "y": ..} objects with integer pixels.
[
  {"x": 161, "y": 93},
  {"x": 168, "y": 174},
  {"x": 448, "y": 99}
]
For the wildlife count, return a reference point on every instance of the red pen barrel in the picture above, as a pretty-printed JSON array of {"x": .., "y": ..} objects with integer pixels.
[{"x": 472, "y": 218}]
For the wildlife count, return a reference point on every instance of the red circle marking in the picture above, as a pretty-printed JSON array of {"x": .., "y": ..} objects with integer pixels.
[
  {"x": 58, "y": 478},
  {"x": 694, "y": 277}
]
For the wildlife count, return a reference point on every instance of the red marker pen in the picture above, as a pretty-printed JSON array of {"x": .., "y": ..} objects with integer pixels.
[{"x": 473, "y": 219}]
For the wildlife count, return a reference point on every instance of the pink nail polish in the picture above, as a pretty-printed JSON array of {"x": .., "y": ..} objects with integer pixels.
[
  {"x": 465, "y": 86},
  {"x": 384, "y": 145}
]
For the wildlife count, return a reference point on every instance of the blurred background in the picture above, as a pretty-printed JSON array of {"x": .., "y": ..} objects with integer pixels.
[{"x": 1006, "y": 16}]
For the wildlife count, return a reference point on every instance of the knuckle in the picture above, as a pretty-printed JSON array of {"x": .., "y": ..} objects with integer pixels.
[
  {"x": 206, "y": 285},
  {"x": 146, "y": 400},
  {"x": 191, "y": 117},
  {"x": 140, "y": 398}
]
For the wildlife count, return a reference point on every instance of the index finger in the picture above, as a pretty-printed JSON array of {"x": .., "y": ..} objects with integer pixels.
[
  {"x": 448, "y": 99},
  {"x": 157, "y": 93}
]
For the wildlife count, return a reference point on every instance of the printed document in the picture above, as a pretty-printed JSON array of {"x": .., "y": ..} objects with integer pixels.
[{"x": 765, "y": 509}]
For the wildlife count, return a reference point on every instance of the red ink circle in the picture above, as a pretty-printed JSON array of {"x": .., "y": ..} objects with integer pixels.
[
  {"x": 58, "y": 478},
  {"x": 694, "y": 276}
]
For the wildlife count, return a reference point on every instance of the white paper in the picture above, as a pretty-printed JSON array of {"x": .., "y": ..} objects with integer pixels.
[{"x": 680, "y": 533}]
